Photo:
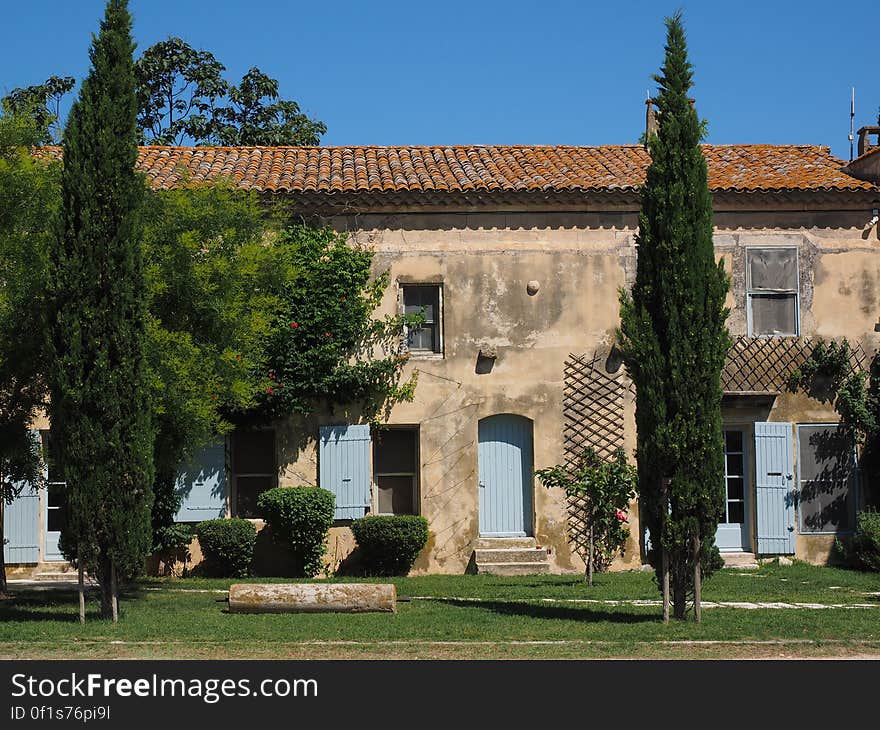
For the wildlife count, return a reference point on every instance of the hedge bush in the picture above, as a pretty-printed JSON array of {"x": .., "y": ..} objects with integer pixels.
[
  {"x": 864, "y": 549},
  {"x": 300, "y": 518},
  {"x": 390, "y": 544},
  {"x": 228, "y": 546}
]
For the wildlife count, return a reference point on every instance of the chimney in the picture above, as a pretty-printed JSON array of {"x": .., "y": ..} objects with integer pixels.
[
  {"x": 864, "y": 141},
  {"x": 651, "y": 126}
]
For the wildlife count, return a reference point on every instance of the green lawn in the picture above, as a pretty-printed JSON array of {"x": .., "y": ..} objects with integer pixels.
[{"x": 466, "y": 617}]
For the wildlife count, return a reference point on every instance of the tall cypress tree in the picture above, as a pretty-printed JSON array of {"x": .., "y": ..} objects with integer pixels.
[
  {"x": 674, "y": 339},
  {"x": 100, "y": 416}
]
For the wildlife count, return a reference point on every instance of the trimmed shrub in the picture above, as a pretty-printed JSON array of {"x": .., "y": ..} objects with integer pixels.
[
  {"x": 390, "y": 544},
  {"x": 300, "y": 518},
  {"x": 228, "y": 546},
  {"x": 864, "y": 549}
]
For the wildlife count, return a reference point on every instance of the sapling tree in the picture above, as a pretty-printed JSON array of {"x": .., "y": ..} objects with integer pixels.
[{"x": 605, "y": 488}]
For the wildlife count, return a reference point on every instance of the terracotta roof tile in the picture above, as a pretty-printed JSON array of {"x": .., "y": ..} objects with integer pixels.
[{"x": 746, "y": 168}]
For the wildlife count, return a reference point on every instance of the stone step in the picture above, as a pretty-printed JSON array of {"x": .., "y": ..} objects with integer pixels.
[
  {"x": 54, "y": 567},
  {"x": 506, "y": 569},
  {"x": 744, "y": 561},
  {"x": 500, "y": 543},
  {"x": 510, "y": 555}
]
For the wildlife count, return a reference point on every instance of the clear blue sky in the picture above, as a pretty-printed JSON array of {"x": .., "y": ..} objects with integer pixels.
[{"x": 500, "y": 71}]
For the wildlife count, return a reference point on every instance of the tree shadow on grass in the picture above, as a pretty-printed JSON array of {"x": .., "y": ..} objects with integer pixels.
[
  {"x": 553, "y": 612},
  {"x": 48, "y": 603}
]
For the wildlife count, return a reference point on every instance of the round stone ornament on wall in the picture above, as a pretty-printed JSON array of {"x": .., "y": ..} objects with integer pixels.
[{"x": 532, "y": 287}]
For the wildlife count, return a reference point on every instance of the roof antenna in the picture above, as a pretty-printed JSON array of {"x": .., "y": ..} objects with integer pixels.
[{"x": 852, "y": 116}]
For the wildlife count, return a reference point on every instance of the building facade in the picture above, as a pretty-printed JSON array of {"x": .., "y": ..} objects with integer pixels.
[{"x": 516, "y": 256}]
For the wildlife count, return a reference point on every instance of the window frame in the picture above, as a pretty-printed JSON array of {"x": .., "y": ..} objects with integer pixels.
[
  {"x": 751, "y": 293},
  {"x": 420, "y": 354},
  {"x": 232, "y": 506},
  {"x": 745, "y": 476},
  {"x": 855, "y": 481},
  {"x": 416, "y": 474}
]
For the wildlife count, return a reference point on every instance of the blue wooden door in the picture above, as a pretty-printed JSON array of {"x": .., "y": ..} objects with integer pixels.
[
  {"x": 201, "y": 485},
  {"x": 21, "y": 525},
  {"x": 344, "y": 455},
  {"x": 774, "y": 483},
  {"x": 505, "y": 476}
]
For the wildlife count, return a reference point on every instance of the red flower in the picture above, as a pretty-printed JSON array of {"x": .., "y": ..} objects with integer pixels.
[
  {"x": 621, "y": 515},
  {"x": 269, "y": 390},
  {"x": 294, "y": 325}
]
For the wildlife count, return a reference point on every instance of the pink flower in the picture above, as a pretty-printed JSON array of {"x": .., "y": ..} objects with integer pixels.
[
  {"x": 621, "y": 515},
  {"x": 271, "y": 376}
]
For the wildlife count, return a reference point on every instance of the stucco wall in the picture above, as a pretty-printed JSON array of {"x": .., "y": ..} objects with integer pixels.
[{"x": 484, "y": 262}]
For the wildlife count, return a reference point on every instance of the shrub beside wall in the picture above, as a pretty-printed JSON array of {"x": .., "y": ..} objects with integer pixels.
[
  {"x": 228, "y": 546},
  {"x": 300, "y": 518},
  {"x": 390, "y": 544},
  {"x": 864, "y": 550}
]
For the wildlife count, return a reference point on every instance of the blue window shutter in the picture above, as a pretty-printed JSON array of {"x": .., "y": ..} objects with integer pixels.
[
  {"x": 202, "y": 485},
  {"x": 21, "y": 524},
  {"x": 344, "y": 453},
  {"x": 774, "y": 482}
]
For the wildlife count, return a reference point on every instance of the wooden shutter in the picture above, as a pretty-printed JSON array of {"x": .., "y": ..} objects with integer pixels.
[
  {"x": 201, "y": 485},
  {"x": 774, "y": 477},
  {"x": 21, "y": 524},
  {"x": 344, "y": 454}
]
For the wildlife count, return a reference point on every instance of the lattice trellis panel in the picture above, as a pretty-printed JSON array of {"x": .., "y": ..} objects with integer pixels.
[
  {"x": 593, "y": 400},
  {"x": 763, "y": 364},
  {"x": 592, "y": 409}
]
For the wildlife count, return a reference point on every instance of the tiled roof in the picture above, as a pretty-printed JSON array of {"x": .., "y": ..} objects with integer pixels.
[{"x": 462, "y": 168}]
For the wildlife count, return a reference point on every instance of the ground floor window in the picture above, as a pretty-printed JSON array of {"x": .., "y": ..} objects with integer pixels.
[
  {"x": 734, "y": 478},
  {"x": 395, "y": 470},
  {"x": 254, "y": 468},
  {"x": 826, "y": 479}
]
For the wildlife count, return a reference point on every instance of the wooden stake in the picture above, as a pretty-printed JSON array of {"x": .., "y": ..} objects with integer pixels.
[
  {"x": 698, "y": 582},
  {"x": 665, "y": 586},
  {"x": 114, "y": 595},
  {"x": 590, "y": 559},
  {"x": 82, "y": 589}
]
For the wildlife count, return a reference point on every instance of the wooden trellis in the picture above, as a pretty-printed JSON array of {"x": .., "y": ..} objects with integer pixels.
[{"x": 592, "y": 403}]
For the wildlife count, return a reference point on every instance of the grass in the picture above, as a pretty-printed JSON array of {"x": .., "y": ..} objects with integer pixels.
[{"x": 464, "y": 617}]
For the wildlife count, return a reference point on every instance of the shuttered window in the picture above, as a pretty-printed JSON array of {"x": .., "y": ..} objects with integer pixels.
[
  {"x": 772, "y": 286},
  {"x": 201, "y": 485},
  {"x": 426, "y": 300},
  {"x": 827, "y": 479},
  {"x": 344, "y": 468}
]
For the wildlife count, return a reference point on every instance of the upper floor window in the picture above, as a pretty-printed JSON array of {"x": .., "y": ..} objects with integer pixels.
[
  {"x": 772, "y": 291},
  {"x": 427, "y": 300}
]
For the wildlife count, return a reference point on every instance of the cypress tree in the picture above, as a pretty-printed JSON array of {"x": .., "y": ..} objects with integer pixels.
[
  {"x": 100, "y": 415},
  {"x": 674, "y": 341}
]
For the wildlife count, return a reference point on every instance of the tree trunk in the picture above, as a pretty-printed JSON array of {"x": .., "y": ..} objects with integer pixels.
[
  {"x": 679, "y": 595},
  {"x": 106, "y": 588},
  {"x": 3, "y": 586},
  {"x": 114, "y": 589},
  {"x": 590, "y": 559},
  {"x": 82, "y": 588},
  {"x": 698, "y": 587},
  {"x": 665, "y": 573}
]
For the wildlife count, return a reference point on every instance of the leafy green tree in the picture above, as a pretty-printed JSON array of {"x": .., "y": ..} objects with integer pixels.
[
  {"x": 177, "y": 89},
  {"x": 42, "y": 102},
  {"x": 606, "y": 489},
  {"x": 182, "y": 95},
  {"x": 674, "y": 340},
  {"x": 99, "y": 406},
  {"x": 28, "y": 199},
  {"x": 215, "y": 289}
]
